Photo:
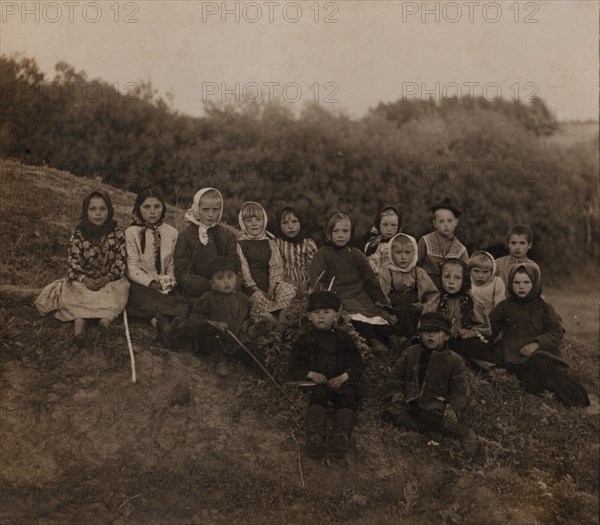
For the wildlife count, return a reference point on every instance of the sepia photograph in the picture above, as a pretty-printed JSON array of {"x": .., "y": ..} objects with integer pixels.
[{"x": 288, "y": 262}]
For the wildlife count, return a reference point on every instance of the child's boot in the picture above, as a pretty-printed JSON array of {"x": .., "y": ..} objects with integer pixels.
[
  {"x": 79, "y": 332},
  {"x": 103, "y": 327},
  {"x": 314, "y": 426},
  {"x": 342, "y": 429}
]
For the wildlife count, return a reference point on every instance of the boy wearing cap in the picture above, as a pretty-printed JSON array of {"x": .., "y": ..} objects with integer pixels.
[
  {"x": 435, "y": 247},
  {"x": 327, "y": 356},
  {"x": 429, "y": 386}
]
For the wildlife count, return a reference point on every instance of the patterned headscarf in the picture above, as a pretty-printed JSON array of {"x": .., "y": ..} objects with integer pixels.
[
  {"x": 142, "y": 196},
  {"x": 465, "y": 302},
  {"x": 376, "y": 237},
  {"x": 192, "y": 215},
  {"x": 89, "y": 231}
]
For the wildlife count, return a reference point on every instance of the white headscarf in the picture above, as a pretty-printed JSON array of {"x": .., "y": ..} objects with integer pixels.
[
  {"x": 491, "y": 258},
  {"x": 246, "y": 236},
  {"x": 192, "y": 214},
  {"x": 413, "y": 263}
]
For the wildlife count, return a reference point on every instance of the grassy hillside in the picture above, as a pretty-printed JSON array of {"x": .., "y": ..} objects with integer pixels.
[{"x": 79, "y": 443}]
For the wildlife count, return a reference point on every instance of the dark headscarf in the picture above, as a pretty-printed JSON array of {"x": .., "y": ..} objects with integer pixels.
[
  {"x": 465, "y": 301},
  {"x": 89, "y": 231},
  {"x": 146, "y": 193},
  {"x": 375, "y": 236},
  {"x": 276, "y": 229},
  {"x": 536, "y": 282}
]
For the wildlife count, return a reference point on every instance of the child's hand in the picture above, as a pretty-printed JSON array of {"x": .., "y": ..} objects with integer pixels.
[
  {"x": 245, "y": 325},
  {"x": 219, "y": 325},
  {"x": 101, "y": 282},
  {"x": 529, "y": 349},
  {"x": 89, "y": 283},
  {"x": 317, "y": 377},
  {"x": 418, "y": 306},
  {"x": 337, "y": 382},
  {"x": 155, "y": 285},
  {"x": 450, "y": 415},
  {"x": 465, "y": 333}
]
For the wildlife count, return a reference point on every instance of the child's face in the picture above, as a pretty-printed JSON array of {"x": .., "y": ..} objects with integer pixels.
[
  {"x": 444, "y": 222},
  {"x": 452, "y": 278},
  {"x": 518, "y": 245},
  {"x": 254, "y": 225},
  {"x": 434, "y": 340},
  {"x": 209, "y": 209},
  {"x": 403, "y": 254},
  {"x": 480, "y": 276},
  {"x": 97, "y": 211},
  {"x": 389, "y": 225},
  {"x": 340, "y": 235},
  {"x": 151, "y": 210},
  {"x": 224, "y": 282},
  {"x": 290, "y": 225},
  {"x": 521, "y": 284},
  {"x": 323, "y": 318}
]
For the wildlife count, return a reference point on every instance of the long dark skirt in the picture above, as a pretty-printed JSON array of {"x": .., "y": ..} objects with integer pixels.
[
  {"x": 542, "y": 373},
  {"x": 146, "y": 303}
]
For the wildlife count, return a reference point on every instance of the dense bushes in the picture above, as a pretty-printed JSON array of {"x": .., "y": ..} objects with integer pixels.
[{"x": 491, "y": 158}]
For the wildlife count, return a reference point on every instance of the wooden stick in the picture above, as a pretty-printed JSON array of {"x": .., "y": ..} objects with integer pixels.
[
  {"x": 317, "y": 281},
  {"x": 130, "y": 346},
  {"x": 299, "y": 458},
  {"x": 331, "y": 284}
]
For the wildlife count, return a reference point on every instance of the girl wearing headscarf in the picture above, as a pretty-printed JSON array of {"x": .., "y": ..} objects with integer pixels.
[
  {"x": 486, "y": 287},
  {"x": 409, "y": 288},
  {"x": 388, "y": 223},
  {"x": 296, "y": 247},
  {"x": 95, "y": 286},
  {"x": 262, "y": 265},
  {"x": 201, "y": 242},
  {"x": 530, "y": 333},
  {"x": 346, "y": 271},
  {"x": 150, "y": 245}
]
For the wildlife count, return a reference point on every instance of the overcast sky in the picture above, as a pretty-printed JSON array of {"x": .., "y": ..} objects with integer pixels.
[{"x": 351, "y": 54}]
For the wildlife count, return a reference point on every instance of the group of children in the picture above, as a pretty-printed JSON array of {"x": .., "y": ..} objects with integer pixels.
[{"x": 428, "y": 300}]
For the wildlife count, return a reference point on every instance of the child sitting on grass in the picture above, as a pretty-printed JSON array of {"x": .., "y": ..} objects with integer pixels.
[
  {"x": 410, "y": 289},
  {"x": 429, "y": 386},
  {"x": 469, "y": 323},
  {"x": 328, "y": 356},
  {"x": 262, "y": 266},
  {"x": 353, "y": 280},
  {"x": 519, "y": 240},
  {"x": 486, "y": 287},
  {"x": 387, "y": 224},
  {"x": 223, "y": 308},
  {"x": 441, "y": 244},
  {"x": 95, "y": 286},
  {"x": 296, "y": 247},
  {"x": 531, "y": 332}
]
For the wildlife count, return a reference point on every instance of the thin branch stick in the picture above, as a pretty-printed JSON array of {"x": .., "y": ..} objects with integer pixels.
[
  {"x": 331, "y": 284},
  {"x": 128, "y": 500},
  {"x": 130, "y": 346},
  {"x": 317, "y": 281},
  {"x": 299, "y": 458},
  {"x": 262, "y": 368}
]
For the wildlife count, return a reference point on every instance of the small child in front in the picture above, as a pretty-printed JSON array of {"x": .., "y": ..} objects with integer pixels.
[
  {"x": 219, "y": 310},
  {"x": 441, "y": 244},
  {"x": 328, "y": 356},
  {"x": 531, "y": 332},
  {"x": 486, "y": 287},
  {"x": 519, "y": 240},
  {"x": 430, "y": 386},
  {"x": 410, "y": 289}
]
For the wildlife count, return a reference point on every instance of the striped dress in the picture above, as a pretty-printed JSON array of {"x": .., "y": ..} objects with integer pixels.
[{"x": 296, "y": 259}]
